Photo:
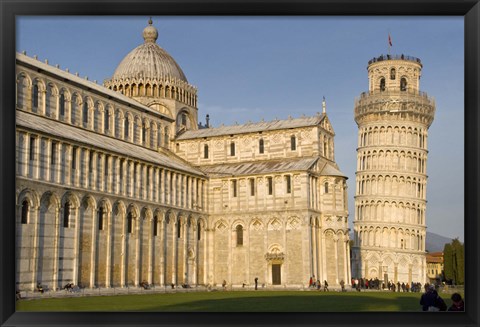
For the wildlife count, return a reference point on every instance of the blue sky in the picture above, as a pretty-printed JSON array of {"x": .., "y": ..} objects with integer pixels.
[{"x": 254, "y": 68}]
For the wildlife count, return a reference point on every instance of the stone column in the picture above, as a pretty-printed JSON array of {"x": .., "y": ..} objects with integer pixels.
[
  {"x": 124, "y": 249},
  {"x": 161, "y": 185},
  {"x": 324, "y": 258},
  {"x": 56, "y": 248},
  {"x": 110, "y": 174},
  {"x": 185, "y": 245},
  {"x": 163, "y": 249},
  {"x": 110, "y": 230},
  {"x": 151, "y": 240},
  {"x": 335, "y": 243},
  {"x": 167, "y": 189},
  {"x": 174, "y": 252},
  {"x": 194, "y": 200},
  {"x": 347, "y": 246},
  {"x": 94, "y": 171},
  {"x": 93, "y": 253},
  {"x": 194, "y": 277},
  {"x": 23, "y": 154},
  {"x": 138, "y": 244},
  {"x": 35, "y": 218},
  {"x": 313, "y": 246},
  {"x": 130, "y": 179},
  {"x": 319, "y": 251}
]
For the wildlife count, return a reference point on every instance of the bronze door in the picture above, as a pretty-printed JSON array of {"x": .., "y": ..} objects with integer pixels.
[{"x": 276, "y": 275}]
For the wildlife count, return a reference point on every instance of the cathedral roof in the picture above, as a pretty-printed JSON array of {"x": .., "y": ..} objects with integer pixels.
[
  {"x": 272, "y": 166},
  {"x": 65, "y": 131},
  {"x": 259, "y": 167},
  {"x": 253, "y": 127},
  {"x": 149, "y": 61}
]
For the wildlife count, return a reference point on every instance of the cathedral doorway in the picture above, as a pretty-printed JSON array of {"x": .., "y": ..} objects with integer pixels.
[{"x": 276, "y": 274}]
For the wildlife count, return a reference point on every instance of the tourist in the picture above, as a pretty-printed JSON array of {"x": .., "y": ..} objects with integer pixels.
[
  {"x": 325, "y": 286},
  {"x": 256, "y": 283},
  {"x": 431, "y": 301},
  {"x": 342, "y": 284},
  {"x": 458, "y": 304}
]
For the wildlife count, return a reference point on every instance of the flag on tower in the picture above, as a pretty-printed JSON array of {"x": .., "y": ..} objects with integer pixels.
[{"x": 389, "y": 39}]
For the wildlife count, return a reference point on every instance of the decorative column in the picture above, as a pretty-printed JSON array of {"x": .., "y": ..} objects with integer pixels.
[
  {"x": 138, "y": 244},
  {"x": 56, "y": 247},
  {"x": 163, "y": 249},
  {"x": 35, "y": 218},
  {"x": 93, "y": 253},
  {"x": 335, "y": 243},
  {"x": 174, "y": 252},
  {"x": 313, "y": 246},
  {"x": 110, "y": 231},
  {"x": 151, "y": 240}
]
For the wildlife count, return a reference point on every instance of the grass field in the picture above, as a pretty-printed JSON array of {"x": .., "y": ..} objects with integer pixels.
[{"x": 264, "y": 301}]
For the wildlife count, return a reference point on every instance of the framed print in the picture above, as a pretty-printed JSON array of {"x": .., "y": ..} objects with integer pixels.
[{"x": 275, "y": 163}]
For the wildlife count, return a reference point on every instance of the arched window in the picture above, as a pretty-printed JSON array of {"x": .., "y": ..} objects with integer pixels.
[
  {"x": 199, "y": 231},
  {"x": 35, "y": 97},
  {"x": 403, "y": 84},
  {"x": 270, "y": 185},
  {"x": 74, "y": 114},
  {"x": 239, "y": 230},
  {"x": 155, "y": 226},
  {"x": 129, "y": 223},
  {"x": 179, "y": 230},
  {"x": 293, "y": 143},
  {"x": 288, "y": 181},
  {"x": 234, "y": 188},
  {"x": 326, "y": 187},
  {"x": 165, "y": 139},
  {"x": 205, "y": 151},
  {"x": 24, "y": 212},
  {"x": 392, "y": 73},
  {"x": 66, "y": 214},
  {"x": 382, "y": 84},
  {"x": 232, "y": 149},
  {"x": 184, "y": 119},
  {"x": 62, "y": 104},
  {"x": 85, "y": 112},
  {"x": 261, "y": 146},
  {"x": 125, "y": 126},
  {"x": 100, "y": 218},
  {"x": 106, "y": 120},
  {"x": 144, "y": 133}
]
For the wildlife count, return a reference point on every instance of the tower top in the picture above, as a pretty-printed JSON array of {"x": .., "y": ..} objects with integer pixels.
[{"x": 394, "y": 57}]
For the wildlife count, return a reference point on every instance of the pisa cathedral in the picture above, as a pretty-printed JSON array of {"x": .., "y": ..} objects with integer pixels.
[
  {"x": 393, "y": 118},
  {"x": 120, "y": 184}
]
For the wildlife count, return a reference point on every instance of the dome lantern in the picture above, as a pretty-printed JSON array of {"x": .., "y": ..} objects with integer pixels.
[{"x": 150, "y": 33}]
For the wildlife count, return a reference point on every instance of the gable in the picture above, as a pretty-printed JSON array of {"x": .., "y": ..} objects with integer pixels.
[{"x": 326, "y": 125}]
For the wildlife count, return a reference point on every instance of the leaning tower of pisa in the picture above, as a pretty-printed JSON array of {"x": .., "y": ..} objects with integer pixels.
[{"x": 393, "y": 118}]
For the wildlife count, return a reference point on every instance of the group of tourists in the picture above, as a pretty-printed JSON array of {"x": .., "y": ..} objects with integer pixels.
[
  {"x": 376, "y": 284},
  {"x": 316, "y": 284},
  {"x": 432, "y": 301}
]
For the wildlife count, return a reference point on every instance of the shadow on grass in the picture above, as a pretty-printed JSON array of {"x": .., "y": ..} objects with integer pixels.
[
  {"x": 235, "y": 302},
  {"x": 298, "y": 303}
]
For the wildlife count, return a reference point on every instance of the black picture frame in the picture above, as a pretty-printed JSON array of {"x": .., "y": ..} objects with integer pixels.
[{"x": 9, "y": 9}]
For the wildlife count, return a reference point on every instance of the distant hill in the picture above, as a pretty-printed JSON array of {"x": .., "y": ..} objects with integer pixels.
[{"x": 434, "y": 242}]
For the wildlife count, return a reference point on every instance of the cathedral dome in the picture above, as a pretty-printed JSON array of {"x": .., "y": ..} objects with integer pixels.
[{"x": 148, "y": 61}]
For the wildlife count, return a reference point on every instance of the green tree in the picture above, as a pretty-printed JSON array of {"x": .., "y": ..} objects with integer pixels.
[
  {"x": 453, "y": 262},
  {"x": 448, "y": 262}
]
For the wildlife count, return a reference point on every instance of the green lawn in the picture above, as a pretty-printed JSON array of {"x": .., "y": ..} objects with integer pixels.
[{"x": 227, "y": 301}]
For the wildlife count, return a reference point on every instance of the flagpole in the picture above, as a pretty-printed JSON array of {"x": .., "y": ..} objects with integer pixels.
[{"x": 389, "y": 43}]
